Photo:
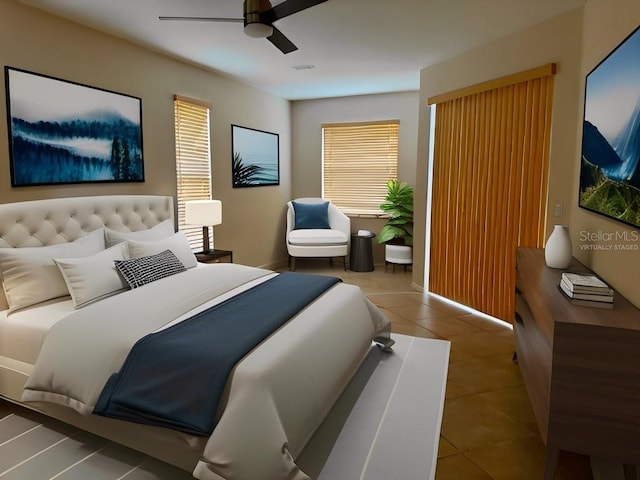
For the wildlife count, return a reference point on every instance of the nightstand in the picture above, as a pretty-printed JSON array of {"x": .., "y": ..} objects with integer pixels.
[{"x": 214, "y": 256}]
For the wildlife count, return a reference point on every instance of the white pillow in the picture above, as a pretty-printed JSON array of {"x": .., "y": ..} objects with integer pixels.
[
  {"x": 30, "y": 276},
  {"x": 158, "y": 232},
  {"x": 94, "y": 277},
  {"x": 177, "y": 243}
]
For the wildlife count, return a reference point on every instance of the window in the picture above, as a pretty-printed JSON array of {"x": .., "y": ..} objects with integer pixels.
[
  {"x": 193, "y": 160},
  {"x": 358, "y": 159}
]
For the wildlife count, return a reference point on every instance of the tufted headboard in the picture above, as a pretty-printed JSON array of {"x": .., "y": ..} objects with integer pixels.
[{"x": 40, "y": 223}]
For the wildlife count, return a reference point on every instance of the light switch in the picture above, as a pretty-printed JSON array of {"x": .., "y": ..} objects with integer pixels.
[{"x": 558, "y": 210}]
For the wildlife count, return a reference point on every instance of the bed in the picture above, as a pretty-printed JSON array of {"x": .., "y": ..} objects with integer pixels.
[{"x": 58, "y": 347}]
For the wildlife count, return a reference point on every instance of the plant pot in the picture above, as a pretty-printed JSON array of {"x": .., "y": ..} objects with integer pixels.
[{"x": 401, "y": 254}]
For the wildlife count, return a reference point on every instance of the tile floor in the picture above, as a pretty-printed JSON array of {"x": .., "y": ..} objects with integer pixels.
[{"x": 488, "y": 429}]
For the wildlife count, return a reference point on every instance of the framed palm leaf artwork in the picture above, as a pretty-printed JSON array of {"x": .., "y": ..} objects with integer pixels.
[
  {"x": 256, "y": 157},
  {"x": 610, "y": 170}
]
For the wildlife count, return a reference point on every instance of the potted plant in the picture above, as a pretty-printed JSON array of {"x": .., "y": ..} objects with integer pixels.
[{"x": 397, "y": 233}]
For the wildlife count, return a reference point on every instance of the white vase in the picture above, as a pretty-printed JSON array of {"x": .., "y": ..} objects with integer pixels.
[{"x": 557, "y": 251}]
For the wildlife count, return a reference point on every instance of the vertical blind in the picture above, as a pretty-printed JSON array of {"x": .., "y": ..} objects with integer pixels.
[
  {"x": 489, "y": 192},
  {"x": 358, "y": 159},
  {"x": 193, "y": 160}
]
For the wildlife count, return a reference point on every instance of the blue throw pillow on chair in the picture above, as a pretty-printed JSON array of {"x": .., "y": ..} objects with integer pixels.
[{"x": 311, "y": 215}]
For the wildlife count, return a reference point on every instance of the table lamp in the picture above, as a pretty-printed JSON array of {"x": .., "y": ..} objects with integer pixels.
[{"x": 206, "y": 213}]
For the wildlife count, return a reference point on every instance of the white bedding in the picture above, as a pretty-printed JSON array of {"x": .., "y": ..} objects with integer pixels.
[
  {"x": 279, "y": 394},
  {"x": 22, "y": 332},
  {"x": 85, "y": 348}
]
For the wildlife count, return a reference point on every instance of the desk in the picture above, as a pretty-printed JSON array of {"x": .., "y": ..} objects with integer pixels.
[
  {"x": 214, "y": 256},
  {"x": 361, "y": 258}
]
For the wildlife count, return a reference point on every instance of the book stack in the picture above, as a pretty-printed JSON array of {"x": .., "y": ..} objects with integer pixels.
[{"x": 587, "y": 290}]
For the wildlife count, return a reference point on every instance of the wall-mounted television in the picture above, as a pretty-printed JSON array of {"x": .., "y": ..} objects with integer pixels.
[{"x": 610, "y": 171}]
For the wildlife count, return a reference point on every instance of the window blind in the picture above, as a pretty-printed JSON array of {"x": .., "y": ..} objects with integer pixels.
[
  {"x": 193, "y": 161},
  {"x": 489, "y": 191},
  {"x": 358, "y": 159}
]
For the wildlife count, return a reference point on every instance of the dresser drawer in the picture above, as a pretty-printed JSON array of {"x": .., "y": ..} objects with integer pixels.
[{"x": 534, "y": 358}]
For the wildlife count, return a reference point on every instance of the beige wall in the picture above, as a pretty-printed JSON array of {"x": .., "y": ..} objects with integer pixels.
[
  {"x": 307, "y": 119},
  {"x": 253, "y": 217},
  {"x": 38, "y": 42},
  {"x": 557, "y": 40},
  {"x": 606, "y": 24}
]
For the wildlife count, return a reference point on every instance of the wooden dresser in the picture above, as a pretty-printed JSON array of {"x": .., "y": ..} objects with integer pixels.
[{"x": 581, "y": 367}]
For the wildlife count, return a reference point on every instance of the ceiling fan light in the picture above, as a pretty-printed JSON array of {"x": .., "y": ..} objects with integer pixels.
[{"x": 258, "y": 30}]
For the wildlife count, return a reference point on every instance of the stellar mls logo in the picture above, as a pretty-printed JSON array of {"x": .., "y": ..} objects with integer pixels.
[{"x": 610, "y": 241}]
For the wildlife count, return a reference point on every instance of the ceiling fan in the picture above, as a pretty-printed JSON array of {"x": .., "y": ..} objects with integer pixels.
[{"x": 258, "y": 19}]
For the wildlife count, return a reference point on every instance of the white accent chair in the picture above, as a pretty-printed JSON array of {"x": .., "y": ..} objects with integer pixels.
[{"x": 318, "y": 242}]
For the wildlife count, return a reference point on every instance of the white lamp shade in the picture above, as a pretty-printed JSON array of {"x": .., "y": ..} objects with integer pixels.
[{"x": 203, "y": 212}]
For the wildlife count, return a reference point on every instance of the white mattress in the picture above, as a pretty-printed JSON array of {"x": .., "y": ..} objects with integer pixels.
[{"x": 22, "y": 332}]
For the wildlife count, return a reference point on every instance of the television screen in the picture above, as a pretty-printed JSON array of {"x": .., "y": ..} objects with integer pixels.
[{"x": 609, "y": 173}]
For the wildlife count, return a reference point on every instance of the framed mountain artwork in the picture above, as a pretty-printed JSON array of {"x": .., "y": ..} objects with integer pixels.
[{"x": 609, "y": 173}]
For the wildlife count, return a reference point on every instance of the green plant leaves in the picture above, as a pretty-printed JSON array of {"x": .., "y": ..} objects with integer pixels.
[
  {"x": 243, "y": 174},
  {"x": 615, "y": 199},
  {"x": 398, "y": 203}
]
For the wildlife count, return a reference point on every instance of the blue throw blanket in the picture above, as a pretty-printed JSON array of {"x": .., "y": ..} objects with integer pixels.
[{"x": 175, "y": 378}]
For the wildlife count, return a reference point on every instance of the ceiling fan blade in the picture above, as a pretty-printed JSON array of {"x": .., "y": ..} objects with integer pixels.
[
  {"x": 281, "y": 42},
  {"x": 204, "y": 19},
  {"x": 286, "y": 8}
]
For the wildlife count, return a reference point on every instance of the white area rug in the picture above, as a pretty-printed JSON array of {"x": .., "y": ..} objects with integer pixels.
[
  {"x": 385, "y": 426},
  {"x": 387, "y": 423}
]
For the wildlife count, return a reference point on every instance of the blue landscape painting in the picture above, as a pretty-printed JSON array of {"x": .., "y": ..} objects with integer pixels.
[
  {"x": 610, "y": 172},
  {"x": 64, "y": 132}
]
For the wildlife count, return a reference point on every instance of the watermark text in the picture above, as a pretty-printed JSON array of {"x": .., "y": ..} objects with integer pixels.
[{"x": 609, "y": 241}]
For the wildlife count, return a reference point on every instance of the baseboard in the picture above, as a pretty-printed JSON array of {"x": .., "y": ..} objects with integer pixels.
[{"x": 275, "y": 265}]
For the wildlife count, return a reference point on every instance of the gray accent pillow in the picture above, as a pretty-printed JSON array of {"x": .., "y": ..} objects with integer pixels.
[{"x": 142, "y": 270}]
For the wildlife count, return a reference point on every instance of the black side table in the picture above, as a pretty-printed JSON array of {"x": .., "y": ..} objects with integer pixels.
[
  {"x": 361, "y": 257},
  {"x": 214, "y": 256}
]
